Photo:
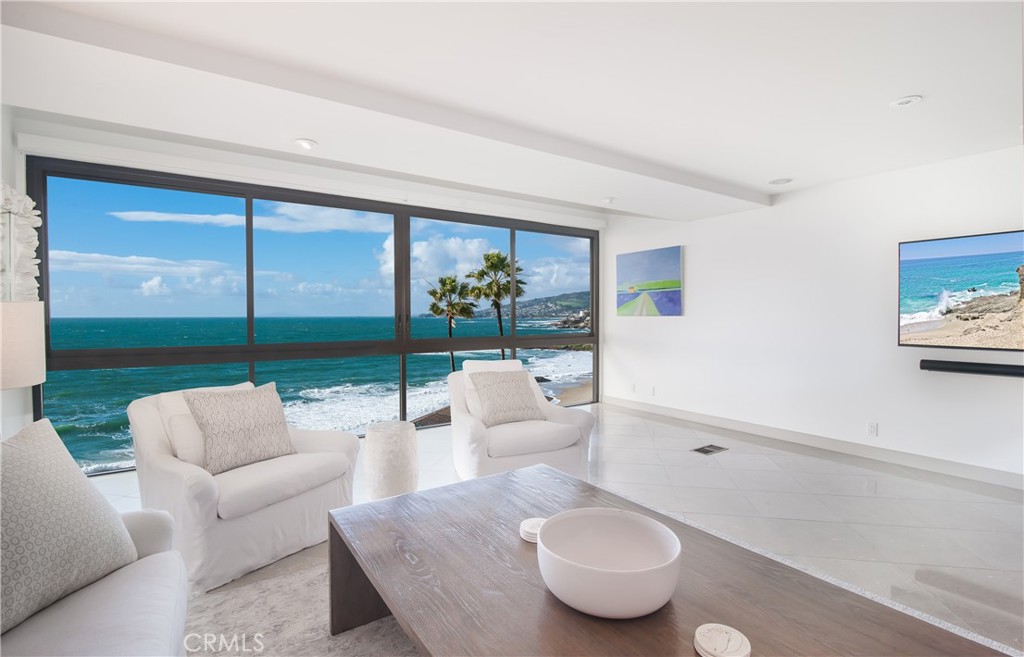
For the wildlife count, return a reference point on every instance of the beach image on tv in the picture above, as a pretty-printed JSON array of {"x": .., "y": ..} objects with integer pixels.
[
  {"x": 650, "y": 283},
  {"x": 963, "y": 292}
]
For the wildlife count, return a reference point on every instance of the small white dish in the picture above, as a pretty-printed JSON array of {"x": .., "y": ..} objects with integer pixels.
[
  {"x": 609, "y": 562},
  {"x": 528, "y": 529},
  {"x": 716, "y": 640}
]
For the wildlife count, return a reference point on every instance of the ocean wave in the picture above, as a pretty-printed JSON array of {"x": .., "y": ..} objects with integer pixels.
[
  {"x": 353, "y": 407},
  {"x": 108, "y": 466},
  {"x": 949, "y": 301}
]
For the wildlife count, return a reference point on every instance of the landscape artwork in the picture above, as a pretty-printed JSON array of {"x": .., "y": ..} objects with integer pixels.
[
  {"x": 650, "y": 283},
  {"x": 965, "y": 292}
]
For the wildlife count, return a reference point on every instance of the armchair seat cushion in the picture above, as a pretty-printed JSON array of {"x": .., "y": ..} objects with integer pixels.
[
  {"x": 243, "y": 490},
  {"x": 139, "y": 609},
  {"x": 530, "y": 437}
]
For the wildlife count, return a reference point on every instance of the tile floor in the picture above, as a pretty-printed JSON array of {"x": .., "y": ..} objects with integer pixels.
[{"x": 946, "y": 546}]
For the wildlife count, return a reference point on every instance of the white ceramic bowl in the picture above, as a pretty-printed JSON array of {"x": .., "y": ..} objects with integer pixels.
[{"x": 609, "y": 562}]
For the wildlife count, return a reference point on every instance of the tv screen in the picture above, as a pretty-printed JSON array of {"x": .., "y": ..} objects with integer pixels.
[{"x": 965, "y": 292}]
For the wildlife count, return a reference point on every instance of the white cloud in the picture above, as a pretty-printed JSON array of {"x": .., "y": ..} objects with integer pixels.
[
  {"x": 285, "y": 218},
  {"x": 204, "y": 277},
  {"x": 102, "y": 263},
  {"x": 440, "y": 256},
  {"x": 386, "y": 257},
  {"x": 551, "y": 276},
  {"x": 154, "y": 287}
]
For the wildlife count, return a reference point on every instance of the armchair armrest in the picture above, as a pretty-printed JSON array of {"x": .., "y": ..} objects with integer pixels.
[
  {"x": 151, "y": 530},
  {"x": 184, "y": 489},
  {"x": 582, "y": 419},
  {"x": 310, "y": 440}
]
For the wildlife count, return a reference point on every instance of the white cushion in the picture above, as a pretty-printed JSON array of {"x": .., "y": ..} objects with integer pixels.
[
  {"x": 187, "y": 439},
  {"x": 530, "y": 437},
  {"x": 138, "y": 610},
  {"x": 506, "y": 397},
  {"x": 253, "y": 487},
  {"x": 57, "y": 531},
  {"x": 173, "y": 403},
  {"x": 473, "y": 366},
  {"x": 240, "y": 426}
]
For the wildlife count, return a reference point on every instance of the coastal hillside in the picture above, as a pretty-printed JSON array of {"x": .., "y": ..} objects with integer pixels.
[{"x": 560, "y": 305}]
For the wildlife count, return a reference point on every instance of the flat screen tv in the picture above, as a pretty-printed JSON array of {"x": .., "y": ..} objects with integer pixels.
[{"x": 963, "y": 292}]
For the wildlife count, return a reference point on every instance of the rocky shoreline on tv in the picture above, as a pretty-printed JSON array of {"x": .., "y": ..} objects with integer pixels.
[{"x": 963, "y": 292}]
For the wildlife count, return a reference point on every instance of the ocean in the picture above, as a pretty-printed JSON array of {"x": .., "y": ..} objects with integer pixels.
[
  {"x": 88, "y": 407},
  {"x": 931, "y": 287}
]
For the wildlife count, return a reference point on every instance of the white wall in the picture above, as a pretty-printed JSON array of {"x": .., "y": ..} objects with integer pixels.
[{"x": 790, "y": 317}]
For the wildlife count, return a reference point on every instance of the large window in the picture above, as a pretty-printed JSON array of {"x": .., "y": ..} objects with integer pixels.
[{"x": 357, "y": 309}]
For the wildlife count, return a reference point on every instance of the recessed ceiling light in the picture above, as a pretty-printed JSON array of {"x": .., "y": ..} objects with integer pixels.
[
  {"x": 608, "y": 200},
  {"x": 906, "y": 101},
  {"x": 305, "y": 144},
  {"x": 780, "y": 181}
]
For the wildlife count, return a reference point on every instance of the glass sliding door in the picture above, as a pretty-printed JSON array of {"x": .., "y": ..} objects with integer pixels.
[
  {"x": 322, "y": 274},
  {"x": 558, "y": 297},
  {"x": 135, "y": 266},
  {"x": 446, "y": 283},
  {"x": 357, "y": 309}
]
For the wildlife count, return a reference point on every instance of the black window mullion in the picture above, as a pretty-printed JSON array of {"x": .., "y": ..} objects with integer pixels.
[{"x": 250, "y": 284}]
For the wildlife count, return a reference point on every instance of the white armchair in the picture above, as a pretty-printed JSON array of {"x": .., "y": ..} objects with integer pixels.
[
  {"x": 562, "y": 440},
  {"x": 234, "y": 522}
]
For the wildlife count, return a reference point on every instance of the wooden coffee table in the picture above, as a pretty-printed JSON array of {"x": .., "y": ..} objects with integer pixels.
[{"x": 449, "y": 564}]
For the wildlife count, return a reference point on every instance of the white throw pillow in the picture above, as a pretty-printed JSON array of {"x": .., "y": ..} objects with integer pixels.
[
  {"x": 187, "y": 439},
  {"x": 474, "y": 366},
  {"x": 240, "y": 426},
  {"x": 173, "y": 403},
  {"x": 506, "y": 397},
  {"x": 57, "y": 531}
]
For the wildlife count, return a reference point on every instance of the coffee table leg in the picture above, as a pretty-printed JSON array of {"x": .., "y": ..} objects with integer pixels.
[{"x": 354, "y": 601}]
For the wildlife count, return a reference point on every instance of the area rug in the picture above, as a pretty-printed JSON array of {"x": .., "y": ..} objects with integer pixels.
[{"x": 288, "y": 616}]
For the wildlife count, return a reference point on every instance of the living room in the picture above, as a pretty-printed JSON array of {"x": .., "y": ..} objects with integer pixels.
[{"x": 788, "y": 165}]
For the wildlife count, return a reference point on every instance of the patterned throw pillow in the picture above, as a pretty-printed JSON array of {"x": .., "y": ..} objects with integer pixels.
[
  {"x": 57, "y": 531},
  {"x": 506, "y": 397},
  {"x": 240, "y": 426}
]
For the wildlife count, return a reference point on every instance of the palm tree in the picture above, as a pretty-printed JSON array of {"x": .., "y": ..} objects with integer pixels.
[
  {"x": 451, "y": 299},
  {"x": 494, "y": 283}
]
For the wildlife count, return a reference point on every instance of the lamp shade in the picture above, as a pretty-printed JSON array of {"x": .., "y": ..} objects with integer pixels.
[{"x": 22, "y": 350}]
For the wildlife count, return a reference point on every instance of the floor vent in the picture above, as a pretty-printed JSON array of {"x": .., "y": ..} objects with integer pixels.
[{"x": 710, "y": 449}]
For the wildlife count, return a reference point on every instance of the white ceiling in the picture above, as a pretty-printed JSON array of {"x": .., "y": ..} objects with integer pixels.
[{"x": 679, "y": 110}]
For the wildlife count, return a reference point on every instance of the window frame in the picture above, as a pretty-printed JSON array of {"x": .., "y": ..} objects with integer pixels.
[{"x": 403, "y": 344}]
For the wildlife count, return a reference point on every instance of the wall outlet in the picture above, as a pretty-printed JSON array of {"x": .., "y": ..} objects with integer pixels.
[
  {"x": 633, "y": 389},
  {"x": 872, "y": 428},
  {"x": 652, "y": 391}
]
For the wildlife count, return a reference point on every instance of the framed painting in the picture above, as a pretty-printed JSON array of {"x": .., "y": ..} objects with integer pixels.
[{"x": 649, "y": 283}]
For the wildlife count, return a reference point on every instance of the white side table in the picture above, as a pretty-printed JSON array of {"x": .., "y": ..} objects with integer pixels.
[{"x": 391, "y": 459}]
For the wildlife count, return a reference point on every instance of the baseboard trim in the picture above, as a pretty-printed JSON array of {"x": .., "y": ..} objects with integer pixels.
[{"x": 966, "y": 471}]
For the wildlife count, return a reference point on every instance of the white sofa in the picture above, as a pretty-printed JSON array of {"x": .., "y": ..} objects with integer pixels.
[
  {"x": 562, "y": 440},
  {"x": 139, "y": 609},
  {"x": 229, "y": 524}
]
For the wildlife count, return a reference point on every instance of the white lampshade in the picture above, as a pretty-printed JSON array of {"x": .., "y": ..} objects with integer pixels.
[{"x": 22, "y": 349}]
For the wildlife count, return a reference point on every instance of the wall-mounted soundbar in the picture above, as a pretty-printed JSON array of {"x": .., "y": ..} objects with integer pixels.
[{"x": 992, "y": 369}]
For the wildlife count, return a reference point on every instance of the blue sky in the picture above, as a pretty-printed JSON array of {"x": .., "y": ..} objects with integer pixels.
[
  {"x": 962, "y": 246},
  {"x": 653, "y": 265},
  {"x": 127, "y": 251}
]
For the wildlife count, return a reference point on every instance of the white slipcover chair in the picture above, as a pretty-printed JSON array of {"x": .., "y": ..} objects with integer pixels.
[
  {"x": 562, "y": 440},
  {"x": 231, "y": 523}
]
